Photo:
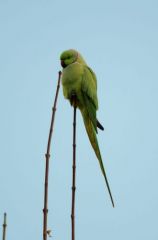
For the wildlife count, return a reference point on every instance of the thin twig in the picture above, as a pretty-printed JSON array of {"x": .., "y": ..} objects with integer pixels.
[
  {"x": 47, "y": 156},
  {"x": 4, "y": 226},
  {"x": 73, "y": 173}
]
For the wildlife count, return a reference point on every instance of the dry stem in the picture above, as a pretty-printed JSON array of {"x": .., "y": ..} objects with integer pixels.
[
  {"x": 4, "y": 226},
  {"x": 73, "y": 173},
  {"x": 47, "y": 156}
]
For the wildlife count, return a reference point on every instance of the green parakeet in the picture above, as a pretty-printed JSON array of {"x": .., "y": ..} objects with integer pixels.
[{"x": 78, "y": 79}]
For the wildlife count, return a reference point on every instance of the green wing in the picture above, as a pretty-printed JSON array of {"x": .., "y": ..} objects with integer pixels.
[{"x": 89, "y": 92}]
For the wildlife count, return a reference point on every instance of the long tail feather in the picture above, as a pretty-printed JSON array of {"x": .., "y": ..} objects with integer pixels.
[{"x": 93, "y": 140}]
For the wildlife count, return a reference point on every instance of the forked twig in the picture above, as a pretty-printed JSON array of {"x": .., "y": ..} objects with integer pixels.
[
  {"x": 73, "y": 172},
  {"x": 47, "y": 156}
]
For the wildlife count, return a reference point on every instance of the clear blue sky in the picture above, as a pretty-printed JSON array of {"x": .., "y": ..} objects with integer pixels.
[{"x": 119, "y": 40}]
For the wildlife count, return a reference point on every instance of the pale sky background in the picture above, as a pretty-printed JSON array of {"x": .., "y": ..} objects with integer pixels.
[{"x": 119, "y": 40}]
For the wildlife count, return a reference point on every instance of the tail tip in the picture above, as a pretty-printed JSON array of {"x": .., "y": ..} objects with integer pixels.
[{"x": 100, "y": 126}]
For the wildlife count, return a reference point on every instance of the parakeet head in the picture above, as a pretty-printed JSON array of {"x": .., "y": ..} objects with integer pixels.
[{"x": 70, "y": 56}]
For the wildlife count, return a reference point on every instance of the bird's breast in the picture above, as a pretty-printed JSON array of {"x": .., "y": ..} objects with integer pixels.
[
  {"x": 72, "y": 79},
  {"x": 72, "y": 74}
]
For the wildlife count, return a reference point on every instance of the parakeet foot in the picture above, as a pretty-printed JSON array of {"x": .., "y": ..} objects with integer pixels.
[{"x": 73, "y": 99}]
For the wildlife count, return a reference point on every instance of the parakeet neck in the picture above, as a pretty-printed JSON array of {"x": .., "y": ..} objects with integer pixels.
[{"x": 80, "y": 59}]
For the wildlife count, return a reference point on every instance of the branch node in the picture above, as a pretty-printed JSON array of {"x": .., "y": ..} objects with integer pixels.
[
  {"x": 47, "y": 155},
  {"x": 45, "y": 210},
  {"x": 54, "y": 109}
]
